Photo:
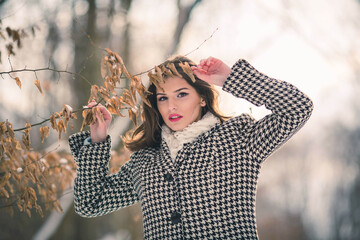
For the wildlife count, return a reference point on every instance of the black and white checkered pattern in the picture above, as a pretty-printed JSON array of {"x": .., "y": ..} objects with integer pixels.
[{"x": 209, "y": 191}]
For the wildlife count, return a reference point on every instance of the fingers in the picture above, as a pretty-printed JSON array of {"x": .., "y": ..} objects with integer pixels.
[
  {"x": 207, "y": 61},
  {"x": 106, "y": 116},
  {"x": 92, "y": 104}
]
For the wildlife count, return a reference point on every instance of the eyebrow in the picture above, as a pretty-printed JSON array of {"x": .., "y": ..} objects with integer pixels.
[{"x": 180, "y": 89}]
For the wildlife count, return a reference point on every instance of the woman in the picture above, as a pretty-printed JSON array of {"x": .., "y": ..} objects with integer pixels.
[{"x": 193, "y": 170}]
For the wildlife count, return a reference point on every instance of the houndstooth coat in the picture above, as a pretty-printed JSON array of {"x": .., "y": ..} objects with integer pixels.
[{"x": 208, "y": 192}]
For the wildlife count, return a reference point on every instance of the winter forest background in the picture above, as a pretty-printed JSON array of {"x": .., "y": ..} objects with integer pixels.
[{"x": 308, "y": 189}]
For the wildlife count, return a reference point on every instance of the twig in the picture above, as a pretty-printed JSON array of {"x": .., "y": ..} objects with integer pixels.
[
  {"x": 202, "y": 43},
  {"x": 88, "y": 35},
  {"x": 43, "y": 69},
  {"x": 185, "y": 54},
  {"x": 13, "y": 13}
]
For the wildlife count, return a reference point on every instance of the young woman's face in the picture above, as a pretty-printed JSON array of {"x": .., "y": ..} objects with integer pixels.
[{"x": 179, "y": 104}]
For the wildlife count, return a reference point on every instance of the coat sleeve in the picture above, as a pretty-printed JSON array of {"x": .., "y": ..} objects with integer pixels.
[
  {"x": 290, "y": 108},
  {"x": 96, "y": 192}
]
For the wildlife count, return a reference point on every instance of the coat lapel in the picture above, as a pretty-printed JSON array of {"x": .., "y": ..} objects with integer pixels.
[{"x": 165, "y": 162}]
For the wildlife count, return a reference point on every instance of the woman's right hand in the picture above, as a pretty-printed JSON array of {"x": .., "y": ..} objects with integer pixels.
[{"x": 99, "y": 130}]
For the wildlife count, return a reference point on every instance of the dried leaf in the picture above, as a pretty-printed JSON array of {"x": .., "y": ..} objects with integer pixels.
[
  {"x": 103, "y": 68},
  {"x": 26, "y": 137},
  {"x": 53, "y": 121},
  {"x": 4, "y": 179},
  {"x": 153, "y": 79},
  {"x": 28, "y": 213},
  {"x": 61, "y": 127},
  {"x": 37, "y": 83},
  {"x": 105, "y": 94},
  {"x": 4, "y": 192},
  {"x": 132, "y": 116},
  {"x": 18, "y": 82},
  {"x": 9, "y": 31},
  {"x": 32, "y": 193},
  {"x": 40, "y": 211},
  {"x": 10, "y": 49},
  {"x": 66, "y": 112},
  {"x": 57, "y": 206},
  {"x": 172, "y": 67},
  {"x": 109, "y": 86},
  {"x": 10, "y": 131},
  {"x": 18, "y": 146},
  {"x": 187, "y": 69},
  {"x": 44, "y": 133},
  {"x": 88, "y": 118}
]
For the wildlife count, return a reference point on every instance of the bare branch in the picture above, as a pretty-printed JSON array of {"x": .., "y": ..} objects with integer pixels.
[{"x": 42, "y": 69}]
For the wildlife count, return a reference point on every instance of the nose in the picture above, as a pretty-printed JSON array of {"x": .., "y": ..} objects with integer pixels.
[{"x": 172, "y": 104}]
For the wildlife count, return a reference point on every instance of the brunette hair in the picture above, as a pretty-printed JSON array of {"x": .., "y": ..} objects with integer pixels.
[{"x": 148, "y": 134}]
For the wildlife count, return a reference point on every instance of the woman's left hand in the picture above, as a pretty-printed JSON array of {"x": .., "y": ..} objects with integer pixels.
[{"x": 212, "y": 70}]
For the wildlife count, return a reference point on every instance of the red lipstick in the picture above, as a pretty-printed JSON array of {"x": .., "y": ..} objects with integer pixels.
[{"x": 174, "y": 117}]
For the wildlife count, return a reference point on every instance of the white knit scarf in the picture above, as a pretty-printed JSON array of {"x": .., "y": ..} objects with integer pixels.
[{"x": 176, "y": 139}]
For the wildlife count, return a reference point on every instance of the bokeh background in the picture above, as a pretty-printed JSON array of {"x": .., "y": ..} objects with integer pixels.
[{"x": 308, "y": 189}]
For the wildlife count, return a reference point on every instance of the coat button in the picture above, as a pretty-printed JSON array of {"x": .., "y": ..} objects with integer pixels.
[
  {"x": 175, "y": 218},
  {"x": 169, "y": 177}
]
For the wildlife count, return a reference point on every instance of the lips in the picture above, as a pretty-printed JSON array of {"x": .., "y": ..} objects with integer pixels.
[{"x": 174, "y": 117}]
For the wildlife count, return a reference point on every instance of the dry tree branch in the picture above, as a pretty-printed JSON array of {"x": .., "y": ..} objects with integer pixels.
[
  {"x": 42, "y": 69},
  {"x": 195, "y": 49},
  {"x": 202, "y": 43}
]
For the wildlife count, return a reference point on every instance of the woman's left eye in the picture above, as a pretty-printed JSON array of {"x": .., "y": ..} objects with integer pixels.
[{"x": 182, "y": 94}]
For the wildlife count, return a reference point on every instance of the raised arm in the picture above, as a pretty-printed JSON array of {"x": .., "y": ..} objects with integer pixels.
[{"x": 290, "y": 108}]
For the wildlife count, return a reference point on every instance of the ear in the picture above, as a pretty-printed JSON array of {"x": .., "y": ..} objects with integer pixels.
[{"x": 202, "y": 103}]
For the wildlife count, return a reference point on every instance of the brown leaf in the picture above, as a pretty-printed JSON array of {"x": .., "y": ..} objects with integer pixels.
[
  {"x": 58, "y": 207},
  {"x": 18, "y": 146},
  {"x": 37, "y": 83},
  {"x": 103, "y": 68},
  {"x": 88, "y": 118},
  {"x": 2, "y": 128},
  {"x": 187, "y": 69},
  {"x": 153, "y": 79},
  {"x": 18, "y": 82},
  {"x": 4, "y": 179},
  {"x": 167, "y": 71},
  {"x": 4, "y": 192},
  {"x": 173, "y": 69},
  {"x": 9, "y": 31},
  {"x": 132, "y": 116},
  {"x": 66, "y": 112},
  {"x": 10, "y": 49},
  {"x": 10, "y": 131},
  {"x": 108, "y": 85},
  {"x": 104, "y": 94},
  {"x": 44, "y": 133},
  {"x": 61, "y": 127},
  {"x": 53, "y": 121}
]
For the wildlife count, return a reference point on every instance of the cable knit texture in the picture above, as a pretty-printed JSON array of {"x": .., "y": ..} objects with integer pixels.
[
  {"x": 209, "y": 191},
  {"x": 176, "y": 139}
]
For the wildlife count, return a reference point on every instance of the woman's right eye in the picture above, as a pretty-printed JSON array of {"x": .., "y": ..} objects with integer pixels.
[{"x": 160, "y": 99}]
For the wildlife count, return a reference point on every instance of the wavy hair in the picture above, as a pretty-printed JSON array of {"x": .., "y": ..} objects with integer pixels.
[{"x": 148, "y": 134}]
